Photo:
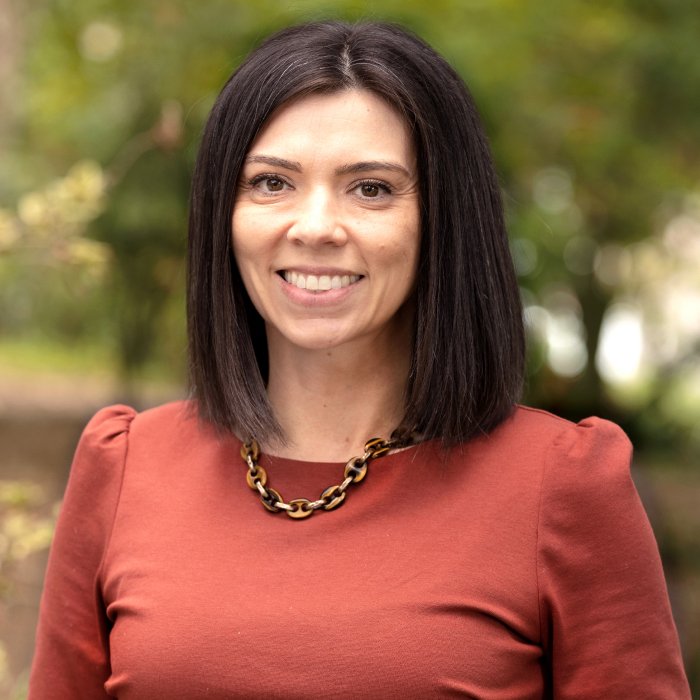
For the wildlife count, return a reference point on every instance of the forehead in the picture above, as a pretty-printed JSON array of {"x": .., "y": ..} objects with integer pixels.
[{"x": 352, "y": 125}]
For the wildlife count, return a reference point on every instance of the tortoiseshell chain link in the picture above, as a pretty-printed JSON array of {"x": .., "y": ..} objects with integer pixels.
[{"x": 333, "y": 496}]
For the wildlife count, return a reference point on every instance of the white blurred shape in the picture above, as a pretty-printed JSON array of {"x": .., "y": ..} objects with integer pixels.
[
  {"x": 621, "y": 344},
  {"x": 553, "y": 190},
  {"x": 681, "y": 303},
  {"x": 560, "y": 297},
  {"x": 567, "y": 355},
  {"x": 612, "y": 265},
  {"x": 536, "y": 319},
  {"x": 32, "y": 208},
  {"x": 100, "y": 41},
  {"x": 682, "y": 236}
]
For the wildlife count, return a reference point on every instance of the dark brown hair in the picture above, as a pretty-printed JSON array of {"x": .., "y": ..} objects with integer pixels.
[{"x": 468, "y": 347}]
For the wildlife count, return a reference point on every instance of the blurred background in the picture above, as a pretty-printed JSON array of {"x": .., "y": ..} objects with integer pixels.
[{"x": 593, "y": 111}]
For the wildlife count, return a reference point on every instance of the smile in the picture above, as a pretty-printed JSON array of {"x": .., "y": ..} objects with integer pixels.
[{"x": 320, "y": 283}]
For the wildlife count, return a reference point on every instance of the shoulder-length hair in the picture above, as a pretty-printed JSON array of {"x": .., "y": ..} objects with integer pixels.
[{"x": 468, "y": 342}]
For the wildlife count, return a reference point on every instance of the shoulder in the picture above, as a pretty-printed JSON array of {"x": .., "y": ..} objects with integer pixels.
[
  {"x": 562, "y": 440},
  {"x": 584, "y": 467},
  {"x": 102, "y": 445},
  {"x": 118, "y": 423},
  {"x": 594, "y": 451},
  {"x": 541, "y": 424},
  {"x": 114, "y": 431},
  {"x": 601, "y": 587},
  {"x": 168, "y": 420},
  {"x": 94, "y": 483},
  {"x": 168, "y": 430},
  {"x": 542, "y": 449},
  {"x": 107, "y": 424},
  {"x": 117, "y": 436},
  {"x": 98, "y": 465}
]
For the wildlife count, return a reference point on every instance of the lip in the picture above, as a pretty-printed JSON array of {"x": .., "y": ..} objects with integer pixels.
[
  {"x": 304, "y": 297},
  {"x": 318, "y": 271}
]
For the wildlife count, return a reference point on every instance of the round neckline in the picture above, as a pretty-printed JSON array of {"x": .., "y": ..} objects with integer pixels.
[{"x": 288, "y": 461}]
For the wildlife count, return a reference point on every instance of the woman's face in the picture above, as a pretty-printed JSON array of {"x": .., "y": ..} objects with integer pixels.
[{"x": 326, "y": 224}]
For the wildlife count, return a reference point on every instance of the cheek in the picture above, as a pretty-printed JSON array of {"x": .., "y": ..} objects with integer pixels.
[
  {"x": 237, "y": 235},
  {"x": 400, "y": 254},
  {"x": 246, "y": 253},
  {"x": 241, "y": 238},
  {"x": 249, "y": 242}
]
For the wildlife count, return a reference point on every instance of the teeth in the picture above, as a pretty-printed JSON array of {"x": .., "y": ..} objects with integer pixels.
[{"x": 319, "y": 284}]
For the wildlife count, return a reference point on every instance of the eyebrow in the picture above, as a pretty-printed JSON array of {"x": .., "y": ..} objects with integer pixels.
[
  {"x": 366, "y": 165},
  {"x": 276, "y": 162},
  {"x": 362, "y": 166}
]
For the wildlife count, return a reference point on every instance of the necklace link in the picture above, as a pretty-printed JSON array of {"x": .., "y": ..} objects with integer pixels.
[
  {"x": 301, "y": 508},
  {"x": 356, "y": 468}
]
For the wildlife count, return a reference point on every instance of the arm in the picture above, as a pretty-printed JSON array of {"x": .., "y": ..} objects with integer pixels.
[
  {"x": 606, "y": 621},
  {"x": 72, "y": 644}
]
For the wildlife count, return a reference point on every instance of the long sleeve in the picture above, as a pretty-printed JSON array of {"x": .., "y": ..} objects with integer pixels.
[
  {"x": 72, "y": 645},
  {"x": 606, "y": 620}
]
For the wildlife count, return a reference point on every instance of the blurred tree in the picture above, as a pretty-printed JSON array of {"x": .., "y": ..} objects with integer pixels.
[
  {"x": 594, "y": 115},
  {"x": 592, "y": 110}
]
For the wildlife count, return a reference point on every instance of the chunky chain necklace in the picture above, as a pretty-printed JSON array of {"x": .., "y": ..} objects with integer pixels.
[{"x": 333, "y": 496}]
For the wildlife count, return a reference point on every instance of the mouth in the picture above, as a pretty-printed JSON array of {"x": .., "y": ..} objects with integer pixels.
[{"x": 318, "y": 283}]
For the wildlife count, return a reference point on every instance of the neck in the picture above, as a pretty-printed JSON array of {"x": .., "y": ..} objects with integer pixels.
[{"x": 330, "y": 402}]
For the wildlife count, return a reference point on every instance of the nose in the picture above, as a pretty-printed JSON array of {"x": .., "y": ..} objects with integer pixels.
[{"x": 317, "y": 221}]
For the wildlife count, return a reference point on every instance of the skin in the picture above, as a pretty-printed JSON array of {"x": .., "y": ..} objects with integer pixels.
[{"x": 329, "y": 187}]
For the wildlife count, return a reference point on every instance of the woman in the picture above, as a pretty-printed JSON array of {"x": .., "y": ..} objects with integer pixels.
[{"x": 349, "y": 278}]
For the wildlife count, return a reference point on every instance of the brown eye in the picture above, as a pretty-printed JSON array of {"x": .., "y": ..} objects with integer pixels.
[
  {"x": 370, "y": 190},
  {"x": 274, "y": 185}
]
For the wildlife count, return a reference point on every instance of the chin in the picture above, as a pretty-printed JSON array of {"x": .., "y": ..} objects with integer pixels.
[
  {"x": 321, "y": 336},
  {"x": 312, "y": 341}
]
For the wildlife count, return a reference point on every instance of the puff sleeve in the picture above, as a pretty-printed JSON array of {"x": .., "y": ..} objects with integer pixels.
[
  {"x": 605, "y": 617},
  {"x": 72, "y": 644}
]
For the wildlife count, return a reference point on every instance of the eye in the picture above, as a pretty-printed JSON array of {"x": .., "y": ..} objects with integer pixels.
[
  {"x": 372, "y": 189},
  {"x": 268, "y": 184},
  {"x": 272, "y": 184}
]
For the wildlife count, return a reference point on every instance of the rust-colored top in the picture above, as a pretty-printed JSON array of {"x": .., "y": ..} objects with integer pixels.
[{"x": 522, "y": 566}]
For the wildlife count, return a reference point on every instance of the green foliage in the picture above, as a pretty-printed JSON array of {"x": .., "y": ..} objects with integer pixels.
[
  {"x": 593, "y": 110},
  {"x": 25, "y": 529}
]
